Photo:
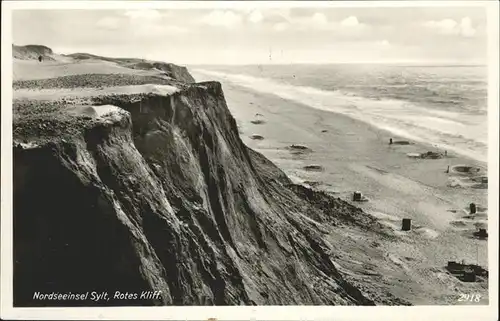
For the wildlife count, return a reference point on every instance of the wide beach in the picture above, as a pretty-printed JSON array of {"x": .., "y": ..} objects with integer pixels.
[{"x": 349, "y": 155}]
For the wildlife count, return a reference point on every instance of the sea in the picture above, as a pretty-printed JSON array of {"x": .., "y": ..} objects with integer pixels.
[{"x": 445, "y": 106}]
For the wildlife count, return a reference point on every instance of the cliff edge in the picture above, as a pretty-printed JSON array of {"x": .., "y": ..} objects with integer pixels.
[{"x": 131, "y": 180}]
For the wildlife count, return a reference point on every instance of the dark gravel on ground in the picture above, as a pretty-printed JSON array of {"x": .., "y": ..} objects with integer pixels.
[
  {"x": 93, "y": 81},
  {"x": 44, "y": 120}
]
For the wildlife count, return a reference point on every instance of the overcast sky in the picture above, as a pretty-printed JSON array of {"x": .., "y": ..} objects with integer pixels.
[{"x": 245, "y": 36}]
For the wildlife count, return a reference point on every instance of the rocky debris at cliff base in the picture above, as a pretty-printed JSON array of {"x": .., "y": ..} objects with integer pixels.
[{"x": 257, "y": 121}]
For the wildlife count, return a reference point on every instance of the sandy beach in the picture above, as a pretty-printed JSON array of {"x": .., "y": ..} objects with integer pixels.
[{"x": 346, "y": 155}]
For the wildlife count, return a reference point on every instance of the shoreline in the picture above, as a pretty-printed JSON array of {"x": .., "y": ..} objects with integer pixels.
[
  {"x": 355, "y": 108},
  {"x": 343, "y": 155}
]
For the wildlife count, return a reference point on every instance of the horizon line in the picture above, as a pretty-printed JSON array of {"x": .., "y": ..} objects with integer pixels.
[
  {"x": 417, "y": 64},
  {"x": 277, "y": 63}
]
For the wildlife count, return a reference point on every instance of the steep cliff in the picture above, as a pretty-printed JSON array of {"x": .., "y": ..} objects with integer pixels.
[{"x": 155, "y": 191}]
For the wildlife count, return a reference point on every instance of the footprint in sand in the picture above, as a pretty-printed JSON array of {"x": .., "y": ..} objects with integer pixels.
[
  {"x": 297, "y": 149},
  {"x": 465, "y": 169},
  {"x": 398, "y": 142},
  {"x": 313, "y": 167},
  {"x": 257, "y": 137},
  {"x": 467, "y": 176},
  {"x": 427, "y": 155}
]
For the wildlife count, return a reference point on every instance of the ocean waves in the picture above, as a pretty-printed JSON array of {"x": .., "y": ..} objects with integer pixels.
[{"x": 459, "y": 130}]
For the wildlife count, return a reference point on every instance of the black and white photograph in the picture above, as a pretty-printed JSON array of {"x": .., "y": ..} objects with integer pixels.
[{"x": 252, "y": 154}]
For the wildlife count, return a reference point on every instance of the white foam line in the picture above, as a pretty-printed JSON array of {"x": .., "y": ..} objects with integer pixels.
[{"x": 375, "y": 113}]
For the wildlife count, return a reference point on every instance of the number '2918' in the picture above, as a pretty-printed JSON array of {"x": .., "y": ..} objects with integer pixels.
[{"x": 475, "y": 297}]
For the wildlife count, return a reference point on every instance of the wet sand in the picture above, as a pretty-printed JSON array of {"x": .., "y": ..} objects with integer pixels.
[{"x": 355, "y": 156}]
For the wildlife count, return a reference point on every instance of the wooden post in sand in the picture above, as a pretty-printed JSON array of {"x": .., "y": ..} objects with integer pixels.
[
  {"x": 406, "y": 224},
  {"x": 448, "y": 169},
  {"x": 390, "y": 141},
  {"x": 472, "y": 208}
]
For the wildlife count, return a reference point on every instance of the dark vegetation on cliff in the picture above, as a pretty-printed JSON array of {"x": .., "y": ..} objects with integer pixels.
[{"x": 163, "y": 195}]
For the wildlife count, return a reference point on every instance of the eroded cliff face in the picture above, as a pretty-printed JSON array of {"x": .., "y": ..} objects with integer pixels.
[{"x": 162, "y": 194}]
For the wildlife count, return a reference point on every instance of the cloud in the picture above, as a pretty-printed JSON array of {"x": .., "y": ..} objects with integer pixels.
[
  {"x": 255, "y": 17},
  {"x": 222, "y": 18},
  {"x": 352, "y": 26},
  {"x": 466, "y": 27},
  {"x": 452, "y": 27},
  {"x": 281, "y": 26},
  {"x": 351, "y": 21},
  {"x": 275, "y": 17},
  {"x": 384, "y": 43},
  {"x": 111, "y": 23},
  {"x": 319, "y": 19},
  {"x": 315, "y": 21},
  {"x": 174, "y": 29},
  {"x": 145, "y": 15},
  {"x": 149, "y": 23}
]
